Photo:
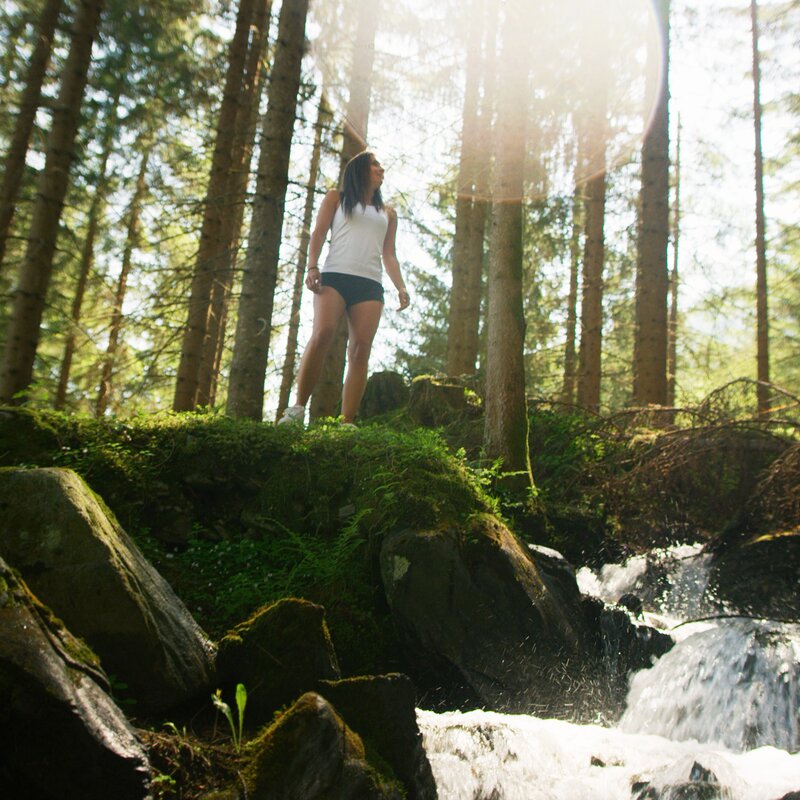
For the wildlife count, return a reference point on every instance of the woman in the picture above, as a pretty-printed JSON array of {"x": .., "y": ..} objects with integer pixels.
[{"x": 363, "y": 233}]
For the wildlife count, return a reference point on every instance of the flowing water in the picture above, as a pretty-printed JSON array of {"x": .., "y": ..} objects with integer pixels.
[{"x": 716, "y": 717}]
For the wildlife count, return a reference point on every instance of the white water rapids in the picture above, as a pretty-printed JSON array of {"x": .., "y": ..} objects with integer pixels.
[{"x": 718, "y": 716}]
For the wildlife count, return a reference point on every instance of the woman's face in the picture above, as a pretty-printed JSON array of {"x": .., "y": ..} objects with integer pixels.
[{"x": 375, "y": 173}]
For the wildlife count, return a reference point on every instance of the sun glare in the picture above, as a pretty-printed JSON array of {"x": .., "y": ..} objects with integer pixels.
[{"x": 593, "y": 71}]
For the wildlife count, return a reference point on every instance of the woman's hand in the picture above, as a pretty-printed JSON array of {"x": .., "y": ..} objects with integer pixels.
[
  {"x": 312, "y": 279},
  {"x": 405, "y": 298}
]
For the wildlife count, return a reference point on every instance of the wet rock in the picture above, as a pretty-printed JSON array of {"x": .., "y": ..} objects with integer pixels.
[
  {"x": 309, "y": 753},
  {"x": 758, "y": 576},
  {"x": 622, "y": 647},
  {"x": 283, "y": 650},
  {"x": 633, "y": 603},
  {"x": 386, "y": 391},
  {"x": 76, "y": 559},
  {"x": 686, "y": 779},
  {"x": 478, "y": 619},
  {"x": 61, "y": 735},
  {"x": 381, "y": 709}
]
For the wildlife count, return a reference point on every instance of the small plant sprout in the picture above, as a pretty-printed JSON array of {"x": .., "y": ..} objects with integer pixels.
[{"x": 241, "y": 702}]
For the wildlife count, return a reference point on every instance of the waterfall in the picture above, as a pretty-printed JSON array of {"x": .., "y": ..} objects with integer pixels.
[{"x": 718, "y": 716}]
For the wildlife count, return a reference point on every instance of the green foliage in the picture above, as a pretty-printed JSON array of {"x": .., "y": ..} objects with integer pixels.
[
  {"x": 236, "y": 514},
  {"x": 241, "y": 703}
]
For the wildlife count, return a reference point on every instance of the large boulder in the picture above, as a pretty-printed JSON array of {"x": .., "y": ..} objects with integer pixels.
[
  {"x": 755, "y": 565},
  {"x": 280, "y": 652},
  {"x": 478, "y": 617},
  {"x": 758, "y": 576},
  {"x": 77, "y": 559},
  {"x": 622, "y": 647},
  {"x": 309, "y": 753},
  {"x": 61, "y": 735},
  {"x": 381, "y": 709}
]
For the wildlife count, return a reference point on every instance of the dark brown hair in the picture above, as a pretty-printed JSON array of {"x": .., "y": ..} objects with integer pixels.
[{"x": 356, "y": 180}]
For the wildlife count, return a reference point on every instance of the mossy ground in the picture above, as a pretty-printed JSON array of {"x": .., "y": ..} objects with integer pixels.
[{"x": 238, "y": 514}]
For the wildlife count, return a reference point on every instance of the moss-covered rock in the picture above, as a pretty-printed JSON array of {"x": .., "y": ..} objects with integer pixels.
[
  {"x": 282, "y": 651},
  {"x": 381, "y": 709},
  {"x": 309, "y": 753},
  {"x": 78, "y": 560},
  {"x": 61, "y": 735},
  {"x": 477, "y": 615}
]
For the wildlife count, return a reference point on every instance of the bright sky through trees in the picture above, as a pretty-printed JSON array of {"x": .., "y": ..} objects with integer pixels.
[{"x": 416, "y": 118}]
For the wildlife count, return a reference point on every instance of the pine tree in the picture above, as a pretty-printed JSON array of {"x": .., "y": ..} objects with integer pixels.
[
  {"x": 29, "y": 296},
  {"x": 506, "y": 425},
  {"x": 762, "y": 313},
  {"x": 254, "y": 324},
  {"x": 214, "y": 242},
  {"x": 652, "y": 276},
  {"x": 14, "y": 165}
]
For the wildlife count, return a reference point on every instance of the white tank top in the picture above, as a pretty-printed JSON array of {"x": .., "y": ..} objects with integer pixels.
[{"x": 357, "y": 242}]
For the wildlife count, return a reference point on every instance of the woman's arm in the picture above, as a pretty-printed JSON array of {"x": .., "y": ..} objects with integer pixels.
[
  {"x": 390, "y": 262},
  {"x": 322, "y": 225}
]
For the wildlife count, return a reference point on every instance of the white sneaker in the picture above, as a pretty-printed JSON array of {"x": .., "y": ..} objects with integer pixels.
[{"x": 293, "y": 415}]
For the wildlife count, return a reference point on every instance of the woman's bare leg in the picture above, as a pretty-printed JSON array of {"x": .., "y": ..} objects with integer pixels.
[
  {"x": 328, "y": 309},
  {"x": 362, "y": 319}
]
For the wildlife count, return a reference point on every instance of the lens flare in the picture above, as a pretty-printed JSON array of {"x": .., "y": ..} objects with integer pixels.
[{"x": 592, "y": 69}]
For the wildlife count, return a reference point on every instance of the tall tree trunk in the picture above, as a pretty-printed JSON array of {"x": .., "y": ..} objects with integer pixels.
[
  {"x": 14, "y": 166},
  {"x": 762, "y": 317},
  {"x": 214, "y": 240},
  {"x": 29, "y": 296},
  {"x": 131, "y": 243},
  {"x": 506, "y": 424},
  {"x": 570, "y": 353},
  {"x": 591, "y": 343},
  {"x": 242, "y": 152},
  {"x": 87, "y": 251},
  {"x": 461, "y": 356},
  {"x": 672, "y": 331},
  {"x": 287, "y": 375},
  {"x": 328, "y": 392},
  {"x": 254, "y": 325},
  {"x": 593, "y": 144},
  {"x": 652, "y": 274}
]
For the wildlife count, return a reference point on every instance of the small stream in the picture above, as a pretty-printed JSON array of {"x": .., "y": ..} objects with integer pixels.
[{"x": 716, "y": 717}]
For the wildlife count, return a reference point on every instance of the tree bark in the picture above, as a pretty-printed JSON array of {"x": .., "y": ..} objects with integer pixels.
[
  {"x": 462, "y": 349},
  {"x": 242, "y": 152},
  {"x": 29, "y": 296},
  {"x": 672, "y": 330},
  {"x": 591, "y": 342},
  {"x": 762, "y": 315},
  {"x": 87, "y": 251},
  {"x": 14, "y": 166},
  {"x": 254, "y": 325},
  {"x": 652, "y": 275},
  {"x": 214, "y": 242},
  {"x": 327, "y": 395},
  {"x": 570, "y": 351},
  {"x": 287, "y": 374},
  {"x": 506, "y": 423},
  {"x": 131, "y": 243}
]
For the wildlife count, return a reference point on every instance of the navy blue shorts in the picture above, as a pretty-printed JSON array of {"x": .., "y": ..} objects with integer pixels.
[{"x": 353, "y": 288}]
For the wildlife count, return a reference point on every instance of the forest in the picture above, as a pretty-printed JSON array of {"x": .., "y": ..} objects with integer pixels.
[
  {"x": 628, "y": 167},
  {"x": 570, "y": 502}
]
